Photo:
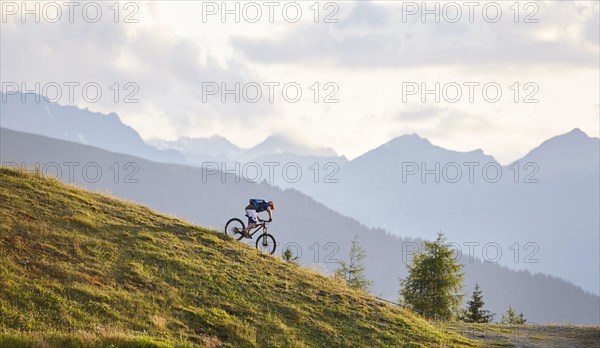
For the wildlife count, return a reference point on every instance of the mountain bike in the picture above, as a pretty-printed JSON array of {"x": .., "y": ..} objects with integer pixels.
[{"x": 265, "y": 242}]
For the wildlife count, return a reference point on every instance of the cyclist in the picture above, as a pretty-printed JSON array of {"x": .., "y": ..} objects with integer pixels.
[{"x": 254, "y": 207}]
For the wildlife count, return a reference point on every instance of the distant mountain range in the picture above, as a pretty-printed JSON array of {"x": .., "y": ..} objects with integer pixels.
[
  {"x": 81, "y": 126},
  {"x": 219, "y": 147},
  {"x": 316, "y": 233},
  {"x": 108, "y": 132},
  {"x": 300, "y": 167},
  {"x": 547, "y": 221},
  {"x": 201, "y": 148}
]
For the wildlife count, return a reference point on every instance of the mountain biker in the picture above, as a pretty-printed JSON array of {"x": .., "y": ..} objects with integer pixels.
[{"x": 254, "y": 207}]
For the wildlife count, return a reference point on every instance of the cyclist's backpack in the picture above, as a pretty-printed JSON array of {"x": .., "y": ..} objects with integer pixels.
[{"x": 259, "y": 204}]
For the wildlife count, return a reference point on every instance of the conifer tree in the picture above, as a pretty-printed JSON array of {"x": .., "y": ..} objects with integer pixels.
[
  {"x": 512, "y": 318},
  {"x": 353, "y": 272},
  {"x": 475, "y": 312},
  {"x": 288, "y": 256},
  {"x": 434, "y": 284}
]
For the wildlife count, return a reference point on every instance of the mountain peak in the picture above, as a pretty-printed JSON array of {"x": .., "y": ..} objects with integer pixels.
[
  {"x": 408, "y": 139},
  {"x": 212, "y": 146},
  {"x": 279, "y": 144},
  {"x": 277, "y": 140},
  {"x": 575, "y": 136},
  {"x": 576, "y": 132},
  {"x": 569, "y": 145},
  {"x": 213, "y": 138}
]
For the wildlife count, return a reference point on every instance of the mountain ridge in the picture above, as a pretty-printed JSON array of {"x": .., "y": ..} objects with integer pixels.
[
  {"x": 72, "y": 123},
  {"x": 11, "y": 107},
  {"x": 550, "y": 193}
]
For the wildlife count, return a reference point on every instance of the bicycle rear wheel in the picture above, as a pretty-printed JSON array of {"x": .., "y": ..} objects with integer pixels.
[
  {"x": 234, "y": 228},
  {"x": 266, "y": 243}
]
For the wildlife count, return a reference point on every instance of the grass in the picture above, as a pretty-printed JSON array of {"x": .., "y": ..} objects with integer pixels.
[
  {"x": 80, "y": 339},
  {"x": 80, "y": 269}
]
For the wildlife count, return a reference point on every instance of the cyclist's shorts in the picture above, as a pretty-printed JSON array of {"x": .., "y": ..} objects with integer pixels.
[{"x": 252, "y": 216}]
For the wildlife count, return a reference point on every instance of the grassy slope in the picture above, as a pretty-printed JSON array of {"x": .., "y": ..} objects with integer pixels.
[{"x": 78, "y": 268}]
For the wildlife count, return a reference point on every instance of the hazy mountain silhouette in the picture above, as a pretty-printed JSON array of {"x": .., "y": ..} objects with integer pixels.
[
  {"x": 212, "y": 147},
  {"x": 33, "y": 114},
  {"x": 218, "y": 147},
  {"x": 278, "y": 144},
  {"x": 554, "y": 203},
  {"x": 297, "y": 166},
  {"x": 321, "y": 234}
]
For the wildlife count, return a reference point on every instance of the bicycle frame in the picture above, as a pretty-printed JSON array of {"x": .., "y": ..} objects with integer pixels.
[{"x": 256, "y": 228}]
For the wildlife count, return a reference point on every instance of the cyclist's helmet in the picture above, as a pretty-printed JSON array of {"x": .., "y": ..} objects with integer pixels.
[{"x": 271, "y": 205}]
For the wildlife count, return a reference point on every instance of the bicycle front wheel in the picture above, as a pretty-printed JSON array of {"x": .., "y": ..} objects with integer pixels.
[{"x": 266, "y": 243}]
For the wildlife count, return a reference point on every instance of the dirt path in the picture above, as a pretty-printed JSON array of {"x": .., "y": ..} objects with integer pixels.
[{"x": 529, "y": 336}]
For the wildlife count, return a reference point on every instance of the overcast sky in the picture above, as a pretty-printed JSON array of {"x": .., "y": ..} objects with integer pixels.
[{"x": 363, "y": 59}]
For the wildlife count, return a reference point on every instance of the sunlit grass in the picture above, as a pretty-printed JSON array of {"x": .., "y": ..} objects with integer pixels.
[{"x": 83, "y": 269}]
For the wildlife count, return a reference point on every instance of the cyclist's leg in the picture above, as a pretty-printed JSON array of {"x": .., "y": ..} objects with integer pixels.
[{"x": 252, "y": 221}]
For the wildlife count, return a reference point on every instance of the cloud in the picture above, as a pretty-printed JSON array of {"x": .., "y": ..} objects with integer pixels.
[
  {"x": 419, "y": 114},
  {"x": 366, "y": 13},
  {"x": 169, "y": 70},
  {"x": 396, "y": 42},
  {"x": 592, "y": 29}
]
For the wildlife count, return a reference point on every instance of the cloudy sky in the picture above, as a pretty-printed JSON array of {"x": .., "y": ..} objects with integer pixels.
[{"x": 369, "y": 60}]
